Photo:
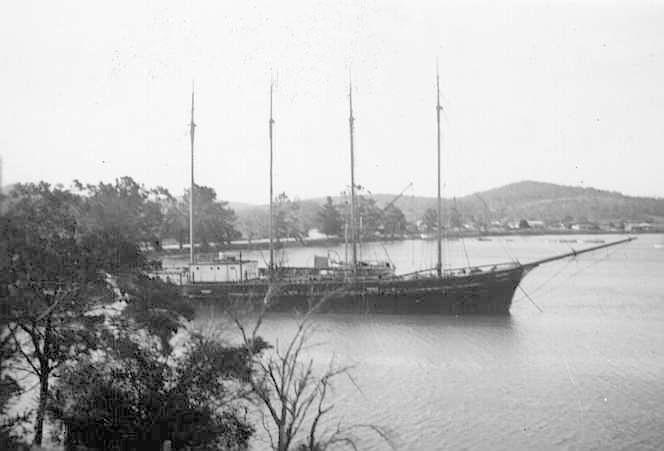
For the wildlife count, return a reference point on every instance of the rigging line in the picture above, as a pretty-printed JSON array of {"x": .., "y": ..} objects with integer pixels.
[
  {"x": 574, "y": 274},
  {"x": 445, "y": 245},
  {"x": 463, "y": 241},
  {"x": 609, "y": 252},
  {"x": 530, "y": 299},
  {"x": 387, "y": 254},
  {"x": 556, "y": 274},
  {"x": 465, "y": 251},
  {"x": 506, "y": 248}
]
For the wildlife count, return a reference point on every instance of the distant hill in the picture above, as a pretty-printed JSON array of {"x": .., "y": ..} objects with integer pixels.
[
  {"x": 527, "y": 199},
  {"x": 551, "y": 202},
  {"x": 543, "y": 201},
  {"x": 242, "y": 206}
]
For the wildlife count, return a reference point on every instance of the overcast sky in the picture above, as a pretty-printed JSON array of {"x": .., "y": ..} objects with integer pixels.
[{"x": 569, "y": 93}]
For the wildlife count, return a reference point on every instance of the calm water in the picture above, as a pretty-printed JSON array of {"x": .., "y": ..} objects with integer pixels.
[{"x": 585, "y": 373}]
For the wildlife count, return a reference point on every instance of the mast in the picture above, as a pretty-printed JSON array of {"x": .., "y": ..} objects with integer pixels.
[
  {"x": 192, "y": 128},
  {"x": 439, "y": 264},
  {"x": 353, "y": 230},
  {"x": 345, "y": 239},
  {"x": 271, "y": 127}
]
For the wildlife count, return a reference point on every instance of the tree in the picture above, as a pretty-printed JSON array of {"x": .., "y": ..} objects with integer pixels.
[
  {"x": 63, "y": 269},
  {"x": 9, "y": 387},
  {"x": 52, "y": 279},
  {"x": 430, "y": 219},
  {"x": 523, "y": 224},
  {"x": 329, "y": 218},
  {"x": 456, "y": 220},
  {"x": 124, "y": 208},
  {"x": 154, "y": 306},
  {"x": 253, "y": 223},
  {"x": 394, "y": 221},
  {"x": 176, "y": 221},
  {"x": 293, "y": 396},
  {"x": 213, "y": 220},
  {"x": 369, "y": 216},
  {"x": 287, "y": 222},
  {"x": 136, "y": 396}
]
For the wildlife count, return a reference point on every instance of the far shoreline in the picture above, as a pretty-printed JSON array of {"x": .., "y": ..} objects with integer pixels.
[{"x": 263, "y": 244}]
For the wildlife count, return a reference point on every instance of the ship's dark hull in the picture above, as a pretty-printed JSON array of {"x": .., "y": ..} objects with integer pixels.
[{"x": 486, "y": 292}]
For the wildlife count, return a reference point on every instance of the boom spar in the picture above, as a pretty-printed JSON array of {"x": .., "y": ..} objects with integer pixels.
[{"x": 574, "y": 253}]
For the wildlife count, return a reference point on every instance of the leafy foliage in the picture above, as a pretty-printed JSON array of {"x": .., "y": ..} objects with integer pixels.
[
  {"x": 214, "y": 221},
  {"x": 124, "y": 208},
  {"x": 430, "y": 219},
  {"x": 58, "y": 251},
  {"x": 287, "y": 223},
  {"x": 9, "y": 388},
  {"x": 54, "y": 276},
  {"x": 454, "y": 217},
  {"x": 330, "y": 221},
  {"x": 136, "y": 398},
  {"x": 369, "y": 216},
  {"x": 176, "y": 221},
  {"x": 254, "y": 222},
  {"x": 394, "y": 221},
  {"x": 155, "y": 306},
  {"x": 9, "y": 439}
]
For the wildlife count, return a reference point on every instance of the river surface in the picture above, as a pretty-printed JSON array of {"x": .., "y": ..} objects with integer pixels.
[{"x": 585, "y": 372}]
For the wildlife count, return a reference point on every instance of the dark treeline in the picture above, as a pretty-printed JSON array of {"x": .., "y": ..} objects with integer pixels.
[
  {"x": 295, "y": 218},
  {"x": 93, "y": 333},
  {"x": 154, "y": 216}
]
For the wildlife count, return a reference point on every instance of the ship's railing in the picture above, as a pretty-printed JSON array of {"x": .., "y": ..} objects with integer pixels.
[
  {"x": 463, "y": 270},
  {"x": 305, "y": 275},
  {"x": 259, "y": 284},
  {"x": 175, "y": 276},
  {"x": 339, "y": 276}
]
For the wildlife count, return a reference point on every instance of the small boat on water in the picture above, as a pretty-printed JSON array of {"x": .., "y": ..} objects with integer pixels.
[{"x": 357, "y": 286}]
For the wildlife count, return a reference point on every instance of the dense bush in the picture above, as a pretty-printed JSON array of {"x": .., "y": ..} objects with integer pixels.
[{"x": 135, "y": 398}]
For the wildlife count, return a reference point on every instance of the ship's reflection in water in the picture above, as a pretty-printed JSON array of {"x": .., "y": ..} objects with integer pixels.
[
  {"x": 586, "y": 373},
  {"x": 403, "y": 344}
]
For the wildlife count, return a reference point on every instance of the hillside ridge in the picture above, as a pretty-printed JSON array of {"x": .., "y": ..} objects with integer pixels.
[{"x": 526, "y": 199}]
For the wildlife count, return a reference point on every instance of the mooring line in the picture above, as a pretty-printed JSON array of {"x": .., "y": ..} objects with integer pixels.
[{"x": 530, "y": 299}]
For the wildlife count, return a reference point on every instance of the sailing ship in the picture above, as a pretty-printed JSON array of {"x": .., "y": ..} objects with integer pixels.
[{"x": 358, "y": 286}]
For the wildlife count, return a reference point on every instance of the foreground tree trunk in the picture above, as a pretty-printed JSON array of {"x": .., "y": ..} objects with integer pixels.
[
  {"x": 41, "y": 410},
  {"x": 44, "y": 374}
]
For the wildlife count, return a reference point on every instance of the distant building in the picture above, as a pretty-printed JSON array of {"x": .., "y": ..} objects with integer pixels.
[
  {"x": 315, "y": 234},
  {"x": 585, "y": 227},
  {"x": 640, "y": 227}
]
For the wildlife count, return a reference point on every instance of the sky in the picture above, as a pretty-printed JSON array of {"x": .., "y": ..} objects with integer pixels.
[{"x": 562, "y": 92}]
